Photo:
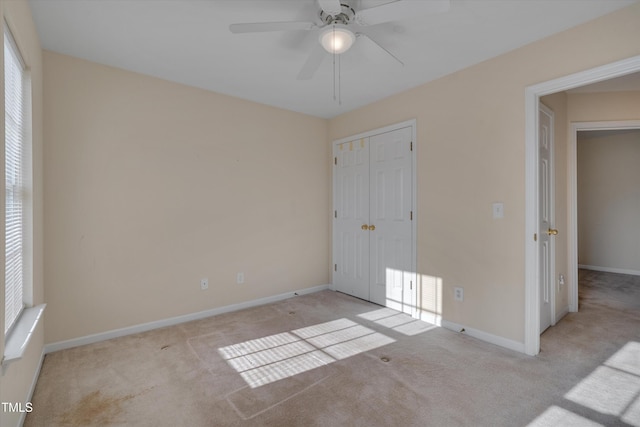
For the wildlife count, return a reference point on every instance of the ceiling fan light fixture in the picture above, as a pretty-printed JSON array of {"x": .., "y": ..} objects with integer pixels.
[{"x": 337, "y": 38}]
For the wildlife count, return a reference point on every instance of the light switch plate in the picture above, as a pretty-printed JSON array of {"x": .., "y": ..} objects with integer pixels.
[{"x": 498, "y": 210}]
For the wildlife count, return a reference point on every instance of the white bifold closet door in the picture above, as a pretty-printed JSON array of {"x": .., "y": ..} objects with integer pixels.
[{"x": 372, "y": 219}]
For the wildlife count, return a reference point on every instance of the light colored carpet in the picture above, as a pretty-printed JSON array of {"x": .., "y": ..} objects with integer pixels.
[{"x": 327, "y": 359}]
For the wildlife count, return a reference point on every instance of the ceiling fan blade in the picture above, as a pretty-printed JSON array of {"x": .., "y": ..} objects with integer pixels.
[
  {"x": 262, "y": 27},
  {"x": 330, "y": 7},
  {"x": 313, "y": 63},
  {"x": 381, "y": 47},
  {"x": 399, "y": 10}
]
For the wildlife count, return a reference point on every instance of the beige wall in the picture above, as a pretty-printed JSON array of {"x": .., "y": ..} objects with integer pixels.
[
  {"x": 603, "y": 106},
  {"x": 151, "y": 186},
  {"x": 609, "y": 199},
  {"x": 558, "y": 104},
  {"x": 16, "y": 382},
  {"x": 470, "y": 152}
]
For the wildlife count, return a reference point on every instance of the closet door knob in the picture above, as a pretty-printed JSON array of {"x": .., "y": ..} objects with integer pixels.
[
  {"x": 372, "y": 227},
  {"x": 365, "y": 227}
]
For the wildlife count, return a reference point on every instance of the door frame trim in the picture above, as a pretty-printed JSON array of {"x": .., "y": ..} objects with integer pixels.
[
  {"x": 572, "y": 196},
  {"x": 414, "y": 223},
  {"x": 532, "y": 97}
]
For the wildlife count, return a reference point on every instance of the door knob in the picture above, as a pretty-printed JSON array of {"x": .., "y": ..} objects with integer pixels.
[
  {"x": 365, "y": 227},
  {"x": 552, "y": 232},
  {"x": 372, "y": 227}
]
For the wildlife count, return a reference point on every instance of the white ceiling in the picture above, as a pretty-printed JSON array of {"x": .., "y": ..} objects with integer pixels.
[{"x": 188, "y": 41}]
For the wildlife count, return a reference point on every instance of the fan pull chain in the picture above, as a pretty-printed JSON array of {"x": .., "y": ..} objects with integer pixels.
[
  {"x": 339, "y": 81},
  {"x": 333, "y": 35}
]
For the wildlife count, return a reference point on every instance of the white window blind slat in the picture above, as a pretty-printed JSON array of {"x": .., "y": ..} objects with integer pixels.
[{"x": 15, "y": 134}]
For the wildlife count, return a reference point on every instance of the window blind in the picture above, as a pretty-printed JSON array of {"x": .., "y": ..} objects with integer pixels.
[{"x": 16, "y": 100}]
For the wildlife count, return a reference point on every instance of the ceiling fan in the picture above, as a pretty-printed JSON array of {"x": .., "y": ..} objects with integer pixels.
[{"x": 339, "y": 22}]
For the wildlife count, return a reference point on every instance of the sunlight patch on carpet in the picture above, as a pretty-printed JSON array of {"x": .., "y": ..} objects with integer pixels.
[
  {"x": 256, "y": 345},
  {"x": 555, "y": 416},
  {"x": 358, "y": 345},
  {"x": 323, "y": 328},
  {"x": 613, "y": 388},
  {"x": 265, "y": 360},
  {"x": 632, "y": 415},
  {"x": 399, "y": 322},
  {"x": 606, "y": 390},
  {"x": 626, "y": 359},
  {"x": 285, "y": 368},
  {"x": 268, "y": 356}
]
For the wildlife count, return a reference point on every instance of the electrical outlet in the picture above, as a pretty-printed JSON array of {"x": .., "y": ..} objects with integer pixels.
[
  {"x": 240, "y": 278},
  {"x": 560, "y": 282},
  {"x": 458, "y": 294},
  {"x": 204, "y": 284}
]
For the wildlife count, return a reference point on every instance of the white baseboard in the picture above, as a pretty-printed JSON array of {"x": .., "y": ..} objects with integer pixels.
[
  {"x": 103, "y": 336},
  {"x": 430, "y": 317},
  {"x": 484, "y": 336},
  {"x": 609, "y": 269},
  {"x": 32, "y": 388},
  {"x": 565, "y": 310}
]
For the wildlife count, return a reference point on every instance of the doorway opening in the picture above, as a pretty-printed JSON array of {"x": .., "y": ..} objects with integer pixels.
[
  {"x": 572, "y": 172},
  {"x": 532, "y": 258}
]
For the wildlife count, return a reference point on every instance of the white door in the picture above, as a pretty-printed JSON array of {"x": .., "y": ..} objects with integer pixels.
[
  {"x": 373, "y": 241},
  {"x": 390, "y": 214},
  {"x": 351, "y": 218},
  {"x": 546, "y": 218}
]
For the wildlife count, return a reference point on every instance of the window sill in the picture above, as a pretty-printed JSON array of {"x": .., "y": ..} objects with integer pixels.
[{"x": 17, "y": 341}]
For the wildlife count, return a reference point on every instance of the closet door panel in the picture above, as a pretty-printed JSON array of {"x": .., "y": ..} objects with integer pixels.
[
  {"x": 390, "y": 214},
  {"x": 352, "y": 269}
]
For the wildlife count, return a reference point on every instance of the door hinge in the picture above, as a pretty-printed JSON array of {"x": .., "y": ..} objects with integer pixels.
[
  {"x": 411, "y": 146},
  {"x": 335, "y": 214},
  {"x": 410, "y": 284},
  {"x": 411, "y": 215},
  {"x": 335, "y": 267},
  {"x": 335, "y": 161},
  {"x": 535, "y": 237}
]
